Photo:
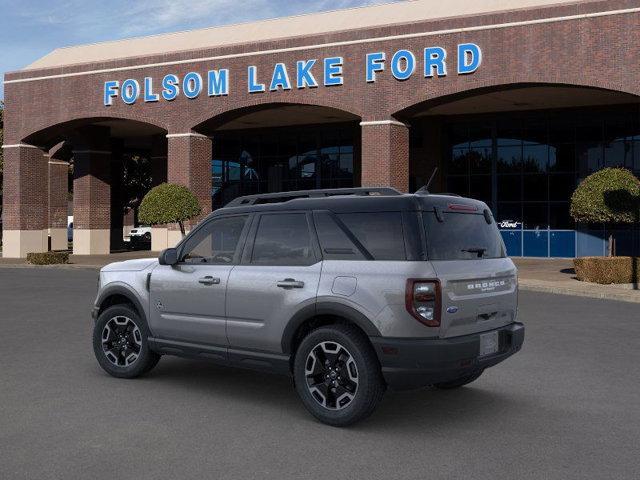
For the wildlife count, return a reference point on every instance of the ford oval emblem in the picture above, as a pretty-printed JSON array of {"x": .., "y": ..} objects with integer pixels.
[{"x": 452, "y": 309}]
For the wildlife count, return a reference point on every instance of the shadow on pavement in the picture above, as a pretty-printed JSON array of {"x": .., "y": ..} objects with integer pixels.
[{"x": 399, "y": 411}]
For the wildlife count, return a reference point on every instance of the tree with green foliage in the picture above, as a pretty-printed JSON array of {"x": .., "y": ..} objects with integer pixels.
[
  {"x": 169, "y": 203},
  {"x": 611, "y": 195},
  {"x": 136, "y": 181}
]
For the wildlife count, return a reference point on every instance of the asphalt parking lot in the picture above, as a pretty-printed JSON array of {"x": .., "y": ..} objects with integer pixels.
[{"x": 565, "y": 407}]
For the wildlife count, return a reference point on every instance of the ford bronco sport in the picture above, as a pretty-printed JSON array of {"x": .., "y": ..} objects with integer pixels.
[{"x": 348, "y": 291}]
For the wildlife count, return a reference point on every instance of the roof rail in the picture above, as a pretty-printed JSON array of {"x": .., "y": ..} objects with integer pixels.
[
  {"x": 424, "y": 191},
  {"x": 286, "y": 196}
]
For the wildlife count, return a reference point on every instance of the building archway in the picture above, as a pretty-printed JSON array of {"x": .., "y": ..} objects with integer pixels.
[
  {"x": 113, "y": 162},
  {"x": 523, "y": 148},
  {"x": 282, "y": 147}
]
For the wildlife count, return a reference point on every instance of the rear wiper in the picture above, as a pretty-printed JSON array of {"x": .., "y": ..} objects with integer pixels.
[{"x": 479, "y": 250}]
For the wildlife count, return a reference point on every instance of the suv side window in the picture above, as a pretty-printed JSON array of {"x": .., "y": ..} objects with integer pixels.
[
  {"x": 379, "y": 232},
  {"x": 335, "y": 243},
  {"x": 283, "y": 239},
  {"x": 216, "y": 243}
]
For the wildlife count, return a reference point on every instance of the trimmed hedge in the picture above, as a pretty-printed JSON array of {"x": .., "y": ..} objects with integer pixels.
[
  {"x": 48, "y": 258},
  {"x": 607, "y": 270},
  {"x": 611, "y": 195}
]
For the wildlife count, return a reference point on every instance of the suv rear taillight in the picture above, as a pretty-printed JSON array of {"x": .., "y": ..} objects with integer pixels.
[{"x": 423, "y": 301}]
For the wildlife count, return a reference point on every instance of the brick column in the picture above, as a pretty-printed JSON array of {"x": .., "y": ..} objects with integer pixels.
[
  {"x": 91, "y": 191},
  {"x": 385, "y": 154},
  {"x": 189, "y": 164},
  {"x": 159, "y": 233},
  {"x": 25, "y": 209},
  {"x": 58, "y": 191}
]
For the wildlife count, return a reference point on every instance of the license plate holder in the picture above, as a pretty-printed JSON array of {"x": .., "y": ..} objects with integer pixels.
[{"x": 489, "y": 343}]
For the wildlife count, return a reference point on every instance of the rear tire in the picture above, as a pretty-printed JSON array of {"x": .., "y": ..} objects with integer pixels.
[
  {"x": 337, "y": 375},
  {"x": 459, "y": 382},
  {"x": 120, "y": 343}
]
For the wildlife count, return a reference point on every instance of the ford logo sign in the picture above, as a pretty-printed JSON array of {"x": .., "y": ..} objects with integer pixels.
[{"x": 452, "y": 309}]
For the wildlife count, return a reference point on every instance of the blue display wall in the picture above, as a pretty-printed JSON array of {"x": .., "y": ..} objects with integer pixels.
[{"x": 569, "y": 243}]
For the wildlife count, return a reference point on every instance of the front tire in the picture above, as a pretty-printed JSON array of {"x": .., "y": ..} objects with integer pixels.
[
  {"x": 337, "y": 375},
  {"x": 120, "y": 343}
]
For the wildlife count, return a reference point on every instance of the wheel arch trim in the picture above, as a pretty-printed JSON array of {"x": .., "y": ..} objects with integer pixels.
[
  {"x": 330, "y": 309},
  {"x": 122, "y": 290}
]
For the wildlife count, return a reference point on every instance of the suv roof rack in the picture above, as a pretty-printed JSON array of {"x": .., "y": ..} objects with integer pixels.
[{"x": 332, "y": 192}]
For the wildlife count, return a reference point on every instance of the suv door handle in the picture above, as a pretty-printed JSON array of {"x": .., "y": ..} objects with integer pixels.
[
  {"x": 290, "y": 283},
  {"x": 209, "y": 280}
]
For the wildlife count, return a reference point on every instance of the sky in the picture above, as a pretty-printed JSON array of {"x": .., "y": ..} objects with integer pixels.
[{"x": 29, "y": 29}]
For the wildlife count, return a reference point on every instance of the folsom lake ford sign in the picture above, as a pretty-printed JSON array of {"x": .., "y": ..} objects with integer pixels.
[{"x": 308, "y": 73}]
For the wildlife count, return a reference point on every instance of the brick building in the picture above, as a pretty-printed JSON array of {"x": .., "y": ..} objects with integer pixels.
[{"x": 513, "y": 101}]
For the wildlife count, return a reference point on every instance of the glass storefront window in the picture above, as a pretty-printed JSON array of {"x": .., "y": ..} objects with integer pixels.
[
  {"x": 510, "y": 159},
  {"x": 538, "y": 158},
  {"x": 618, "y": 154},
  {"x": 271, "y": 160},
  {"x": 535, "y": 215},
  {"x": 535, "y": 158}
]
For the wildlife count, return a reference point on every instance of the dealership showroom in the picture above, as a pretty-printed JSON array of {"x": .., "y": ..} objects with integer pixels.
[{"x": 513, "y": 107}]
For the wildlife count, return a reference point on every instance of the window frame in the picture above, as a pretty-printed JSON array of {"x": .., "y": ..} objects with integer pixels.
[
  {"x": 247, "y": 252},
  {"x": 207, "y": 224}
]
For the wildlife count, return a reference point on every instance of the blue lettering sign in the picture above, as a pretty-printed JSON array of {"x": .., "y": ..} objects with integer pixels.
[
  {"x": 434, "y": 59},
  {"x": 469, "y": 58},
  {"x": 130, "y": 91},
  {"x": 375, "y": 63},
  {"x": 218, "y": 81},
  {"x": 403, "y": 64},
  {"x": 333, "y": 71},
  {"x": 254, "y": 87},
  {"x": 170, "y": 87},
  {"x": 110, "y": 92},
  {"x": 280, "y": 78},
  {"x": 192, "y": 85},
  {"x": 304, "y": 77},
  {"x": 149, "y": 96}
]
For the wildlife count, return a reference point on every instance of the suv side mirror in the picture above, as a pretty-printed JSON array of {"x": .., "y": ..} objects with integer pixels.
[{"x": 168, "y": 257}]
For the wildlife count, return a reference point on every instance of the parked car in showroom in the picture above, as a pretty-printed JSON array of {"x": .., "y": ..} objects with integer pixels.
[{"x": 349, "y": 291}]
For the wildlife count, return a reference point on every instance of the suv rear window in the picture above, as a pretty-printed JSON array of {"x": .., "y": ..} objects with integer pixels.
[{"x": 462, "y": 236}]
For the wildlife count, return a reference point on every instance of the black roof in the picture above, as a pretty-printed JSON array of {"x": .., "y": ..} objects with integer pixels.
[{"x": 352, "y": 200}]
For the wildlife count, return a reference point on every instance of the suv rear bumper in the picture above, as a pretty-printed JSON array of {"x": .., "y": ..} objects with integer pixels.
[{"x": 414, "y": 363}]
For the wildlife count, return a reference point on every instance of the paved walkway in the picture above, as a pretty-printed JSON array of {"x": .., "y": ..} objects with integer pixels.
[
  {"x": 558, "y": 276},
  {"x": 536, "y": 274}
]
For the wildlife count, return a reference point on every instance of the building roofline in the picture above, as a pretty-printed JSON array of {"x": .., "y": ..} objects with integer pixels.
[{"x": 282, "y": 28}]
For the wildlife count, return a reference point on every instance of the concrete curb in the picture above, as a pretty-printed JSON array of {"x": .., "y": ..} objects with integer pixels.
[{"x": 580, "y": 291}]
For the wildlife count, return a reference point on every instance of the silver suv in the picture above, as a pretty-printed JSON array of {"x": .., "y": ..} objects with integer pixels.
[{"x": 349, "y": 291}]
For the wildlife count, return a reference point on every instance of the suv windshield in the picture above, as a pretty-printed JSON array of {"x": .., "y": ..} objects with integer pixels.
[{"x": 462, "y": 236}]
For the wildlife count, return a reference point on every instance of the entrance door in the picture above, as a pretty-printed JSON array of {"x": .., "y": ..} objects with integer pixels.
[
  {"x": 279, "y": 275},
  {"x": 187, "y": 300}
]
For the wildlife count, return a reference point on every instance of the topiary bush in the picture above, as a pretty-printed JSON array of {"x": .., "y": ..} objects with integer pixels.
[
  {"x": 611, "y": 195},
  {"x": 48, "y": 258},
  {"x": 607, "y": 270},
  {"x": 169, "y": 203}
]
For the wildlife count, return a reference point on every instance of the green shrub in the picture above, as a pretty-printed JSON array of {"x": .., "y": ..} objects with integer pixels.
[
  {"x": 607, "y": 270},
  {"x": 611, "y": 195},
  {"x": 48, "y": 258},
  {"x": 168, "y": 203}
]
